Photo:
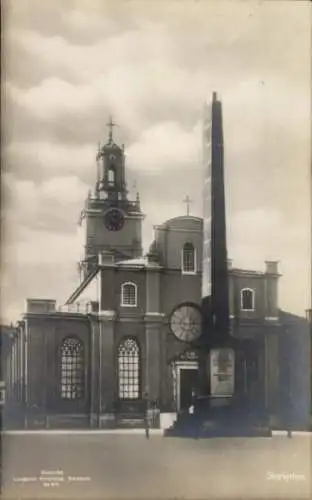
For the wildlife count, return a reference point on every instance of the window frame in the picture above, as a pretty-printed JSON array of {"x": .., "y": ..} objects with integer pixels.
[
  {"x": 122, "y": 343},
  {"x": 194, "y": 256},
  {"x": 2, "y": 396},
  {"x": 111, "y": 172},
  {"x": 72, "y": 385},
  {"x": 123, "y": 285},
  {"x": 253, "y": 294}
]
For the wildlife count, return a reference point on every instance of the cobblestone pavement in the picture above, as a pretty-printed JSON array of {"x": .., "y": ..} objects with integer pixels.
[{"x": 113, "y": 466}]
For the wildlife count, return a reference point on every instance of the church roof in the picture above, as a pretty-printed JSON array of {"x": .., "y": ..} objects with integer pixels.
[
  {"x": 182, "y": 222},
  {"x": 78, "y": 291},
  {"x": 139, "y": 261}
]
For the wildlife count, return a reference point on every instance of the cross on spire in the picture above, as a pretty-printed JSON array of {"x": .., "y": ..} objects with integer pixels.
[
  {"x": 188, "y": 201},
  {"x": 110, "y": 125}
]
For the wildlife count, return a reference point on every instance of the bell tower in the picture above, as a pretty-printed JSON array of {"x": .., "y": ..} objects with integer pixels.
[
  {"x": 113, "y": 223},
  {"x": 111, "y": 168}
]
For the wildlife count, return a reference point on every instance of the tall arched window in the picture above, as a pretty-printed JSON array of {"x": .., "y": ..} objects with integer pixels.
[
  {"x": 72, "y": 369},
  {"x": 129, "y": 294},
  {"x": 111, "y": 176},
  {"x": 247, "y": 299},
  {"x": 188, "y": 259},
  {"x": 129, "y": 369}
]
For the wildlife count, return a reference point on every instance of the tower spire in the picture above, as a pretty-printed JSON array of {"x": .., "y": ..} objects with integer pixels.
[
  {"x": 110, "y": 125},
  {"x": 188, "y": 201}
]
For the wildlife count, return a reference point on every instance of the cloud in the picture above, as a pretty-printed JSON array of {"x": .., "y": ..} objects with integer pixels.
[
  {"x": 41, "y": 160},
  {"x": 156, "y": 148},
  {"x": 53, "y": 204}
]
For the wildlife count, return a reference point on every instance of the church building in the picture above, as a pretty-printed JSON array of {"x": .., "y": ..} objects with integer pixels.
[{"x": 128, "y": 332}]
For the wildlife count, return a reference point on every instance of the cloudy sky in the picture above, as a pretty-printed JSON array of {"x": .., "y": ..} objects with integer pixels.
[{"x": 68, "y": 65}]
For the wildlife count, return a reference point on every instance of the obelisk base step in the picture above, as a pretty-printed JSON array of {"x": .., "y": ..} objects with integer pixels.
[{"x": 219, "y": 421}]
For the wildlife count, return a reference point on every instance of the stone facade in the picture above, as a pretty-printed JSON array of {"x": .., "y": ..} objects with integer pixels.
[
  {"x": 95, "y": 361},
  {"x": 161, "y": 286}
]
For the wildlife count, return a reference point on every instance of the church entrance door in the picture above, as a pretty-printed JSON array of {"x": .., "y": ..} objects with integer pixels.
[
  {"x": 185, "y": 379},
  {"x": 188, "y": 382}
]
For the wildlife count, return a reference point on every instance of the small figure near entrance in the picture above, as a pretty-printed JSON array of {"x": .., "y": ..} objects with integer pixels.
[
  {"x": 290, "y": 415},
  {"x": 191, "y": 409},
  {"x": 146, "y": 416}
]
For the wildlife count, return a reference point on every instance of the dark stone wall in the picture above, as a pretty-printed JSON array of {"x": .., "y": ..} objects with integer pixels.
[
  {"x": 45, "y": 335},
  {"x": 257, "y": 284},
  {"x": 177, "y": 288},
  {"x": 37, "y": 361},
  {"x": 111, "y": 281},
  {"x": 99, "y": 237},
  {"x": 159, "y": 292},
  {"x": 294, "y": 370}
]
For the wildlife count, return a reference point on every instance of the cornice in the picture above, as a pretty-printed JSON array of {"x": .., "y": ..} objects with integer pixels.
[
  {"x": 177, "y": 229},
  {"x": 108, "y": 315},
  {"x": 130, "y": 318},
  {"x": 154, "y": 317},
  {"x": 146, "y": 267},
  {"x": 57, "y": 315},
  {"x": 135, "y": 215}
]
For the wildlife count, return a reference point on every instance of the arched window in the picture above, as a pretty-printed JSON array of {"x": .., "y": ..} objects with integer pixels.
[
  {"x": 72, "y": 369},
  {"x": 247, "y": 299},
  {"x": 188, "y": 259},
  {"x": 129, "y": 295},
  {"x": 129, "y": 369},
  {"x": 111, "y": 176}
]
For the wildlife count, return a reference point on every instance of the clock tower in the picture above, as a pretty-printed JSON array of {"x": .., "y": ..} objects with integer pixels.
[{"x": 112, "y": 221}]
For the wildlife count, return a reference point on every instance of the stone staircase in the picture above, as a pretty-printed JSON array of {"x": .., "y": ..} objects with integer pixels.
[
  {"x": 219, "y": 423},
  {"x": 207, "y": 428},
  {"x": 130, "y": 420},
  {"x": 68, "y": 421}
]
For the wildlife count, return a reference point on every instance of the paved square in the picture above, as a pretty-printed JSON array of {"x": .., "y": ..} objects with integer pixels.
[{"x": 116, "y": 466}]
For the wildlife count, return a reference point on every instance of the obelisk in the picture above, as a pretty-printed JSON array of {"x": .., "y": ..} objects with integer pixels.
[{"x": 215, "y": 295}]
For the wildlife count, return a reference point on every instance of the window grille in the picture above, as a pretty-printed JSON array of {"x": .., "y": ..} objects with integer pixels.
[
  {"x": 247, "y": 299},
  {"x": 129, "y": 294},
  {"x": 188, "y": 258},
  {"x": 129, "y": 369},
  {"x": 111, "y": 176},
  {"x": 72, "y": 369}
]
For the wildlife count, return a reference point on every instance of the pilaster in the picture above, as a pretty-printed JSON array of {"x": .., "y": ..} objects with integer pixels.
[
  {"x": 153, "y": 330},
  {"x": 153, "y": 289},
  {"x": 95, "y": 372},
  {"x": 271, "y": 374},
  {"x": 231, "y": 296},
  {"x": 106, "y": 367},
  {"x": 271, "y": 289}
]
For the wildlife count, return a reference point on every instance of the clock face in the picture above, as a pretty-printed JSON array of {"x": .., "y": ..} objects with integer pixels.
[
  {"x": 185, "y": 322},
  {"x": 114, "y": 220}
]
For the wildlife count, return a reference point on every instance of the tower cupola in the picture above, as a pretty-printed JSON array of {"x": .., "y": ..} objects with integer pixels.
[
  {"x": 110, "y": 159},
  {"x": 113, "y": 221}
]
